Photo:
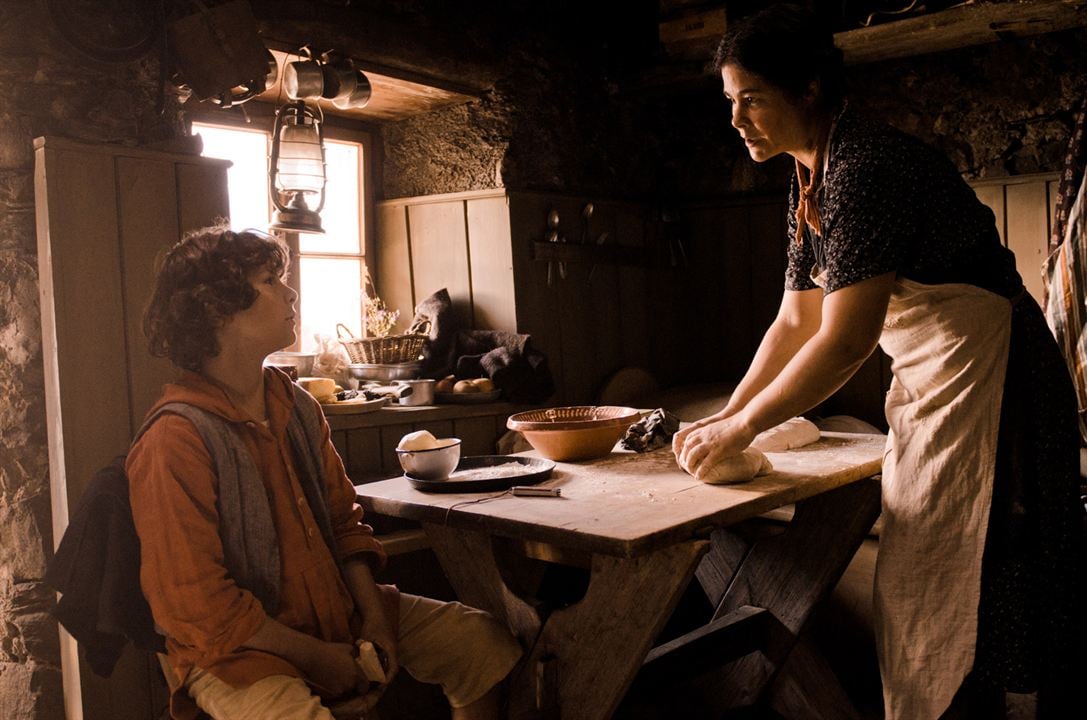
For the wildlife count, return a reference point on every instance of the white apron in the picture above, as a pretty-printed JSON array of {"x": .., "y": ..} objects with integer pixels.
[{"x": 949, "y": 347}]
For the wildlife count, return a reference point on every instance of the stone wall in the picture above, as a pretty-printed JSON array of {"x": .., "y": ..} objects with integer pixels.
[
  {"x": 45, "y": 89},
  {"x": 568, "y": 120}
]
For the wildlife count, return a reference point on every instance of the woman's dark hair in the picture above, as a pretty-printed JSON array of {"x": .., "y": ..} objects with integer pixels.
[
  {"x": 201, "y": 282},
  {"x": 788, "y": 47}
]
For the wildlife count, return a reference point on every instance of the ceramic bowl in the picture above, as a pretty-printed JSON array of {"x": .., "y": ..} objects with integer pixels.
[
  {"x": 435, "y": 464},
  {"x": 581, "y": 432}
]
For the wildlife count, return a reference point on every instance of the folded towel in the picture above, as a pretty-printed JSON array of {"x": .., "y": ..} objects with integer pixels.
[{"x": 651, "y": 432}]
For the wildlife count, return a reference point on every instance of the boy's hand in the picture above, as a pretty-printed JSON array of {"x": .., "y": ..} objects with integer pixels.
[{"x": 333, "y": 670}]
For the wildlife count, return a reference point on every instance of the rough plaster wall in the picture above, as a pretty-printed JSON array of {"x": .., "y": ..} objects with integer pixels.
[
  {"x": 44, "y": 90},
  {"x": 564, "y": 121}
]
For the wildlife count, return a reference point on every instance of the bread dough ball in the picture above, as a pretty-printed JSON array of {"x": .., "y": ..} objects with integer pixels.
[
  {"x": 465, "y": 386},
  {"x": 790, "y": 434},
  {"x": 736, "y": 469},
  {"x": 484, "y": 384},
  {"x": 418, "y": 440}
]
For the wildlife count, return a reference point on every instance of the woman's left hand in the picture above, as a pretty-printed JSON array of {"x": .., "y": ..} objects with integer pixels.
[{"x": 714, "y": 442}]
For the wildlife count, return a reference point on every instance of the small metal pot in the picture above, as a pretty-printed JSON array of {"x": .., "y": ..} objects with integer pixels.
[
  {"x": 354, "y": 92},
  {"x": 422, "y": 392},
  {"x": 303, "y": 80}
]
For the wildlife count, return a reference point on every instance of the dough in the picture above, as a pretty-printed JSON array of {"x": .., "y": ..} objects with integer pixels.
[
  {"x": 736, "y": 469},
  {"x": 419, "y": 440},
  {"x": 790, "y": 434}
]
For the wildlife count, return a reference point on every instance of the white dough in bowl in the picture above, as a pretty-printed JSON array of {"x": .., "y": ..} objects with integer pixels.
[
  {"x": 790, "y": 434},
  {"x": 419, "y": 440}
]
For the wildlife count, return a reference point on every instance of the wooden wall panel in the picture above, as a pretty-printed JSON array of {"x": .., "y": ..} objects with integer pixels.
[
  {"x": 392, "y": 273},
  {"x": 536, "y": 302},
  {"x": 478, "y": 435},
  {"x": 1027, "y": 223},
  {"x": 491, "y": 263},
  {"x": 993, "y": 197},
  {"x": 363, "y": 454},
  {"x": 103, "y": 213},
  {"x": 634, "y": 313},
  {"x": 439, "y": 254},
  {"x": 604, "y": 310},
  {"x": 148, "y": 220},
  {"x": 768, "y": 246}
]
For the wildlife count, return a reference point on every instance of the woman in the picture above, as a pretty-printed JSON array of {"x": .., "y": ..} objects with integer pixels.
[
  {"x": 254, "y": 560},
  {"x": 980, "y": 556}
]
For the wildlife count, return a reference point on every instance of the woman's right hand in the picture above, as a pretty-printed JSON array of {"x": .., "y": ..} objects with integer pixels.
[
  {"x": 332, "y": 669},
  {"x": 679, "y": 440}
]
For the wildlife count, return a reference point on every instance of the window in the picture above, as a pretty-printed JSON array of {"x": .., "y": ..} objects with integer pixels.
[{"x": 331, "y": 267}]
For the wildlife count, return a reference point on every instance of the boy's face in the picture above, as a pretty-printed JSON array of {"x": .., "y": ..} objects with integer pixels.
[{"x": 268, "y": 324}]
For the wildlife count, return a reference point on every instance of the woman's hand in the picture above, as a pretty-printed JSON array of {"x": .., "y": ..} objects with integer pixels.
[
  {"x": 680, "y": 438},
  {"x": 710, "y": 443}
]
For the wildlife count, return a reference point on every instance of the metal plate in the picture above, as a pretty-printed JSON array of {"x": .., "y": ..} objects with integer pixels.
[
  {"x": 355, "y": 406},
  {"x": 470, "y": 475}
]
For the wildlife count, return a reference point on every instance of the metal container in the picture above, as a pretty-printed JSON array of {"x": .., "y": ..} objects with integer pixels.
[
  {"x": 384, "y": 373},
  {"x": 422, "y": 392},
  {"x": 302, "y": 362}
]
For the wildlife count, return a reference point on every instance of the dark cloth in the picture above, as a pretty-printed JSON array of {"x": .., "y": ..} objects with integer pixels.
[
  {"x": 651, "y": 432},
  {"x": 438, "y": 352},
  {"x": 519, "y": 370},
  {"x": 890, "y": 203},
  {"x": 1030, "y": 621},
  {"x": 97, "y": 571}
]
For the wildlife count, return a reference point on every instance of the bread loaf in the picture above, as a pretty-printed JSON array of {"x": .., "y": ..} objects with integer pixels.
[{"x": 324, "y": 389}]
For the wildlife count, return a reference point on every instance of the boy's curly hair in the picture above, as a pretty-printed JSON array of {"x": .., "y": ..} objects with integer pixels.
[{"x": 201, "y": 282}]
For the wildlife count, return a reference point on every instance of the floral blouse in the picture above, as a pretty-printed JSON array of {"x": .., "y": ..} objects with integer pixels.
[{"x": 890, "y": 203}]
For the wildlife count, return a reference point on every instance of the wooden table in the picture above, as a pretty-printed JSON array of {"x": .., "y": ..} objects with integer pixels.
[{"x": 643, "y": 527}]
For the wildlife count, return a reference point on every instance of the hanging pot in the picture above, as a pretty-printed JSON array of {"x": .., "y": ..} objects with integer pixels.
[
  {"x": 354, "y": 93},
  {"x": 303, "y": 80}
]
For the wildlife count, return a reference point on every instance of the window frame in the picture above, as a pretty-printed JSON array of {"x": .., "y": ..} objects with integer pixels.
[{"x": 260, "y": 116}]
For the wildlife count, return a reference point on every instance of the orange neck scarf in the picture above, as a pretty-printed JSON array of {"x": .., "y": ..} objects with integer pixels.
[{"x": 807, "y": 206}]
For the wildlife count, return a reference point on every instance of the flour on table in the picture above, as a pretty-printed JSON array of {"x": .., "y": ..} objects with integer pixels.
[{"x": 492, "y": 472}]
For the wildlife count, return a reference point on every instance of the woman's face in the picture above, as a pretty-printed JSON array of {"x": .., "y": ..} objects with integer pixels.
[{"x": 769, "y": 121}]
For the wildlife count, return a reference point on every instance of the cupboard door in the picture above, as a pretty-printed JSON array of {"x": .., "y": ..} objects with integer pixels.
[{"x": 104, "y": 213}]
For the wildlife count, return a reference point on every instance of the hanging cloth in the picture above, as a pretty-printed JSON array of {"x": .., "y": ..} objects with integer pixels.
[{"x": 1065, "y": 270}]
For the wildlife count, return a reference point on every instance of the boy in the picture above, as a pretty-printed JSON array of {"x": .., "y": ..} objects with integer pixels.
[{"x": 258, "y": 570}]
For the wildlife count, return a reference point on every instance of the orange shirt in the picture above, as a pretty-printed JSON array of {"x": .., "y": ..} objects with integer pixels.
[{"x": 173, "y": 486}]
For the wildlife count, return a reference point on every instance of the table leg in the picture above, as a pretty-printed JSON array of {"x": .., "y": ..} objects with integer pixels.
[
  {"x": 788, "y": 574},
  {"x": 583, "y": 658}
]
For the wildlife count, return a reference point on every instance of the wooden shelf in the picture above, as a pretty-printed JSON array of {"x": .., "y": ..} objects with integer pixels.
[{"x": 958, "y": 27}]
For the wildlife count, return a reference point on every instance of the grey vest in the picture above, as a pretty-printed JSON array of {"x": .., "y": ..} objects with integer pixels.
[{"x": 246, "y": 528}]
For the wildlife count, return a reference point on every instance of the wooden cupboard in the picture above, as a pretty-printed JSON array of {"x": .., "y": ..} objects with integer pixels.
[{"x": 104, "y": 212}]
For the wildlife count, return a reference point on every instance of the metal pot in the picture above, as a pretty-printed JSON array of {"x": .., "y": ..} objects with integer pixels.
[
  {"x": 422, "y": 392},
  {"x": 354, "y": 92},
  {"x": 384, "y": 373},
  {"x": 303, "y": 80}
]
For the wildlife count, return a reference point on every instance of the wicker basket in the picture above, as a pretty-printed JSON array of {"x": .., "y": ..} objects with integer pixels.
[{"x": 387, "y": 350}]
